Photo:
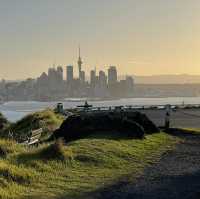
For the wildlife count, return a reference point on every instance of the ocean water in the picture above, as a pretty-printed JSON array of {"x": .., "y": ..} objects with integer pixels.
[{"x": 16, "y": 110}]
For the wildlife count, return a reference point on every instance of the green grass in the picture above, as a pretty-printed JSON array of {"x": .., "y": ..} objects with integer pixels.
[
  {"x": 84, "y": 165},
  {"x": 8, "y": 147}
]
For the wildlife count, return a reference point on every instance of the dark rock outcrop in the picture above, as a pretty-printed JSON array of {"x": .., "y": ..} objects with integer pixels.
[
  {"x": 144, "y": 121},
  {"x": 131, "y": 124},
  {"x": 4, "y": 124}
]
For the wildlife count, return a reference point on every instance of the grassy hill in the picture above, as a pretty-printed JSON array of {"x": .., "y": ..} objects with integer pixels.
[
  {"x": 54, "y": 170},
  {"x": 46, "y": 119}
]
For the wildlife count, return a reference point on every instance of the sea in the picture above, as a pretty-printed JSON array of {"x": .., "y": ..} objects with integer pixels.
[{"x": 15, "y": 110}]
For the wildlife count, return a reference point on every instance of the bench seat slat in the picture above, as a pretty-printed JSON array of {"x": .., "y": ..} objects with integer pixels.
[{"x": 35, "y": 136}]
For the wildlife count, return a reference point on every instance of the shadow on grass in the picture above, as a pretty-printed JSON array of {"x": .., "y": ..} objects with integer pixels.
[
  {"x": 114, "y": 135},
  {"x": 181, "y": 186},
  {"x": 166, "y": 186},
  {"x": 179, "y": 132},
  {"x": 109, "y": 191}
]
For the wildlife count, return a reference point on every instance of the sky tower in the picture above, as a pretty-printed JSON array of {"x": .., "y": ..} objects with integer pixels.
[{"x": 79, "y": 62}]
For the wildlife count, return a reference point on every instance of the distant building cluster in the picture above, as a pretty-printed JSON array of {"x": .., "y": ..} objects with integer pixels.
[
  {"x": 99, "y": 85},
  {"x": 53, "y": 86}
]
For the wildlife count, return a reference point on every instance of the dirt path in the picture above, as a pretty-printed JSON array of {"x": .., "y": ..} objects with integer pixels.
[{"x": 177, "y": 175}]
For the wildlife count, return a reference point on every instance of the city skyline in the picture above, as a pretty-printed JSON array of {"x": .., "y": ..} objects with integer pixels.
[
  {"x": 76, "y": 69},
  {"x": 140, "y": 37},
  {"x": 52, "y": 85}
]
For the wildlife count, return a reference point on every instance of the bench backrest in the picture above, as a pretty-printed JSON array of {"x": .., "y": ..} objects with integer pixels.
[{"x": 35, "y": 136}]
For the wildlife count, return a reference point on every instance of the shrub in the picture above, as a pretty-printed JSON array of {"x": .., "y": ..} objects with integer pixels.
[
  {"x": 4, "y": 124},
  {"x": 56, "y": 151}
]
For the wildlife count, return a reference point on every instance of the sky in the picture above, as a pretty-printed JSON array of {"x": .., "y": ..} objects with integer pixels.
[{"x": 141, "y": 37}]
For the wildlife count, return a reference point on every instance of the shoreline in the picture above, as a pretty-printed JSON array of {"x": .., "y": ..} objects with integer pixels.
[
  {"x": 98, "y": 99},
  {"x": 14, "y": 110}
]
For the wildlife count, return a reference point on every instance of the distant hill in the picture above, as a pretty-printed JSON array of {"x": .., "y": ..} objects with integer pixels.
[
  {"x": 155, "y": 79},
  {"x": 167, "y": 79}
]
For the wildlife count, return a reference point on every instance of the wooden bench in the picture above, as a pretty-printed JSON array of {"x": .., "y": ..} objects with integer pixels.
[{"x": 34, "y": 136}]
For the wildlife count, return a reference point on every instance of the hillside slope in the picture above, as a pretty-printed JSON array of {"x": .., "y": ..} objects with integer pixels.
[
  {"x": 176, "y": 175},
  {"x": 57, "y": 171},
  {"x": 46, "y": 119}
]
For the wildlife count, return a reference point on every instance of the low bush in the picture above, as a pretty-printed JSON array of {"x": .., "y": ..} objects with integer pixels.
[
  {"x": 4, "y": 124},
  {"x": 56, "y": 151}
]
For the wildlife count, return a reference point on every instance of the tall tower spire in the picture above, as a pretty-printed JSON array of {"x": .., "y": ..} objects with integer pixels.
[
  {"x": 79, "y": 51},
  {"x": 79, "y": 61}
]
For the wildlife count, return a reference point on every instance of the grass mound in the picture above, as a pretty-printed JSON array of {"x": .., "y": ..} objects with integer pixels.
[
  {"x": 56, "y": 151},
  {"x": 98, "y": 161},
  {"x": 133, "y": 125},
  {"x": 47, "y": 119},
  {"x": 45, "y": 153}
]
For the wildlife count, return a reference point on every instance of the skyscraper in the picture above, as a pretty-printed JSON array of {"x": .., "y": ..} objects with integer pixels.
[
  {"x": 92, "y": 78},
  {"x": 112, "y": 75},
  {"x": 52, "y": 74},
  {"x": 82, "y": 77},
  {"x": 129, "y": 83},
  {"x": 60, "y": 73},
  {"x": 70, "y": 74},
  {"x": 102, "y": 79},
  {"x": 79, "y": 62}
]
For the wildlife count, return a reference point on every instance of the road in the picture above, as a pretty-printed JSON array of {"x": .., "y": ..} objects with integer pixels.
[{"x": 184, "y": 118}]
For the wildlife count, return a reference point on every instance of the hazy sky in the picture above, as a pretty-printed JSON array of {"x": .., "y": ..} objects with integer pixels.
[{"x": 141, "y": 37}]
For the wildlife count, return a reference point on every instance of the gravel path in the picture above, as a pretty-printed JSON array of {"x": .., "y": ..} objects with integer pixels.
[{"x": 176, "y": 175}]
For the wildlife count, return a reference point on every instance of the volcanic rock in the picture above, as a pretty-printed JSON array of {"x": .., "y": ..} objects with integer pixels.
[{"x": 131, "y": 124}]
